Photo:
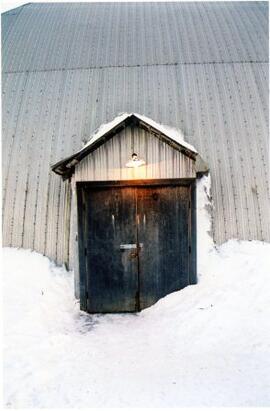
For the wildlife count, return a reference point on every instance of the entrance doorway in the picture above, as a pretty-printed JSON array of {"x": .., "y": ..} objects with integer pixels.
[{"x": 135, "y": 244}]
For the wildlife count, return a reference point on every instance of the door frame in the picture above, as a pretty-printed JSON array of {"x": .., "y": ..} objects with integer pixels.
[{"x": 81, "y": 185}]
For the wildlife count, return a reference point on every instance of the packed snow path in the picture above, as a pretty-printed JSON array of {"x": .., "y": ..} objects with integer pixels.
[{"x": 207, "y": 345}]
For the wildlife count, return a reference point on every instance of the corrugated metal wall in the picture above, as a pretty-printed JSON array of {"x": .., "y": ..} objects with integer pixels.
[
  {"x": 78, "y": 35},
  {"x": 67, "y": 68}
]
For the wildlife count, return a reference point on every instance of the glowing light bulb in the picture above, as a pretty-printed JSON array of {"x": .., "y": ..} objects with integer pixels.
[{"x": 135, "y": 161}]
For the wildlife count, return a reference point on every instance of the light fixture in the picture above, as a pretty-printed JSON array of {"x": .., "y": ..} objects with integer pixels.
[{"x": 135, "y": 161}]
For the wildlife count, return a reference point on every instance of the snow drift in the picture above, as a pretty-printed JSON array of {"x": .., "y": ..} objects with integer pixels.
[{"x": 206, "y": 345}]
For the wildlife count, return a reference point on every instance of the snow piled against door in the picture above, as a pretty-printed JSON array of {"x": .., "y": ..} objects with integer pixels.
[{"x": 206, "y": 345}]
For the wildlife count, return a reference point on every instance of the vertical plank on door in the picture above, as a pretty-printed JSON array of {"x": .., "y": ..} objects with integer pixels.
[
  {"x": 112, "y": 273},
  {"x": 163, "y": 219}
]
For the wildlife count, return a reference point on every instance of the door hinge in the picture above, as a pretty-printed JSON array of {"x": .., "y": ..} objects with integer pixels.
[
  {"x": 85, "y": 251},
  {"x": 189, "y": 248}
]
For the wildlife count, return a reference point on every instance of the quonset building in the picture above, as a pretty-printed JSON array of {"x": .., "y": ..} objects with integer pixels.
[{"x": 69, "y": 68}]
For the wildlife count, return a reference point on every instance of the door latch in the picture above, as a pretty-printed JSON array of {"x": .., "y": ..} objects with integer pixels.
[
  {"x": 133, "y": 254},
  {"x": 130, "y": 246}
]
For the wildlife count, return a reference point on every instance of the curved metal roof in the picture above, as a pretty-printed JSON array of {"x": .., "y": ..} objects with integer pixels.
[
  {"x": 82, "y": 35},
  {"x": 69, "y": 67}
]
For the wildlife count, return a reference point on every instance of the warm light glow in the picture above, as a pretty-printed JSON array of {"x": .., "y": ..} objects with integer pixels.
[{"x": 135, "y": 161}]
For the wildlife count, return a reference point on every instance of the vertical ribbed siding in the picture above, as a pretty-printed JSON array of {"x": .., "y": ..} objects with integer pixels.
[
  {"x": 13, "y": 91},
  {"x": 12, "y": 227},
  {"x": 230, "y": 133},
  {"x": 218, "y": 106},
  {"x": 108, "y": 162},
  {"x": 220, "y": 103},
  {"x": 77, "y": 35}
]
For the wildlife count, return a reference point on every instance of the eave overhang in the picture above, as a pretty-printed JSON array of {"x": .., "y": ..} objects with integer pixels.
[{"x": 66, "y": 167}]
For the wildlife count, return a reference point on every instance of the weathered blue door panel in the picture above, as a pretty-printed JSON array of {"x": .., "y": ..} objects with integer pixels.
[
  {"x": 112, "y": 271},
  {"x": 163, "y": 229},
  {"x": 137, "y": 243}
]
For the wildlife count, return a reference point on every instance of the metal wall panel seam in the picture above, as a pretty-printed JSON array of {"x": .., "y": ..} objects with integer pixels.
[
  {"x": 44, "y": 134},
  {"x": 211, "y": 141},
  {"x": 218, "y": 37},
  {"x": 255, "y": 108},
  {"x": 62, "y": 151},
  {"x": 217, "y": 148},
  {"x": 240, "y": 134},
  {"x": 256, "y": 165},
  {"x": 259, "y": 155},
  {"x": 239, "y": 38},
  {"x": 198, "y": 32},
  {"x": 56, "y": 55},
  {"x": 189, "y": 45},
  {"x": 239, "y": 177},
  {"x": 246, "y": 169},
  {"x": 167, "y": 40},
  {"x": 50, "y": 212},
  {"x": 10, "y": 137},
  {"x": 34, "y": 149},
  {"x": 52, "y": 22},
  {"x": 245, "y": 21},
  {"x": 7, "y": 47},
  {"x": 20, "y": 50},
  {"x": 17, "y": 167},
  {"x": 163, "y": 47},
  {"x": 262, "y": 100},
  {"x": 184, "y": 95},
  {"x": 207, "y": 33},
  {"x": 230, "y": 192},
  {"x": 23, "y": 53},
  {"x": 47, "y": 137},
  {"x": 192, "y": 94},
  {"x": 233, "y": 51},
  {"x": 12, "y": 16},
  {"x": 252, "y": 203},
  {"x": 88, "y": 116},
  {"x": 69, "y": 49},
  {"x": 179, "y": 39},
  {"x": 261, "y": 32},
  {"x": 37, "y": 45},
  {"x": 76, "y": 44}
]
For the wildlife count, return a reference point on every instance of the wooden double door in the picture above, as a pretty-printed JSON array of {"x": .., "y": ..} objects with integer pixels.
[{"x": 135, "y": 245}]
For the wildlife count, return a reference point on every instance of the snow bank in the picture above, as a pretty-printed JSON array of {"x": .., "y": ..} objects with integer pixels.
[{"x": 207, "y": 345}]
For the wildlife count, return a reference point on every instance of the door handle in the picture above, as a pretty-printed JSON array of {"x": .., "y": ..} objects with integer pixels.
[{"x": 130, "y": 246}]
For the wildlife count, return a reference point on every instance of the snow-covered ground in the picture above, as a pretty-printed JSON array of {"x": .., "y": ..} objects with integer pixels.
[{"x": 206, "y": 345}]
